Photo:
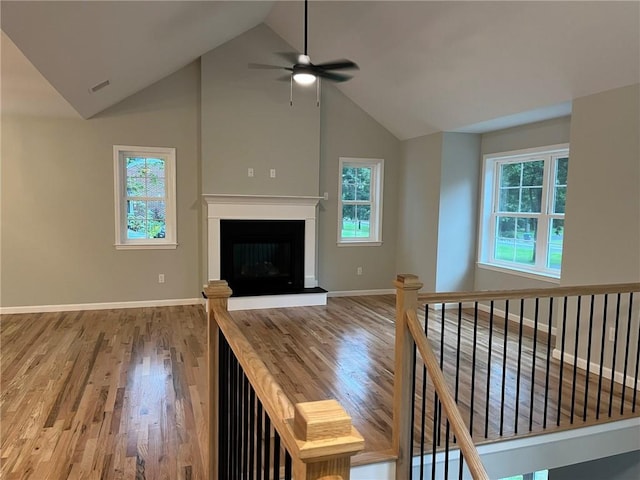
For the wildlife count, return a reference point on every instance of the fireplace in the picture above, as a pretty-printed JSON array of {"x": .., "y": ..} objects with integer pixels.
[
  {"x": 262, "y": 257},
  {"x": 260, "y": 210}
]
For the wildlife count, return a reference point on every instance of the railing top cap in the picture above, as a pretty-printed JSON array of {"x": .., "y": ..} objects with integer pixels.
[
  {"x": 408, "y": 281},
  {"x": 217, "y": 289}
]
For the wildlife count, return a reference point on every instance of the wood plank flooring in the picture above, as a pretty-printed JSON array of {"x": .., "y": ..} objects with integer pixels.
[
  {"x": 121, "y": 394},
  {"x": 346, "y": 351},
  {"x": 112, "y": 394}
]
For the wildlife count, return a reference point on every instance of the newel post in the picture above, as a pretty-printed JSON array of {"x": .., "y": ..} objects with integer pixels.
[
  {"x": 326, "y": 441},
  {"x": 407, "y": 286},
  {"x": 217, "y": 293}
]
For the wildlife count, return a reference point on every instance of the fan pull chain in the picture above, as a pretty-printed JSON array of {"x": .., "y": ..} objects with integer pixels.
[
  {"x": 318, "y": 92},
  {"x": 291, "y": 91}
]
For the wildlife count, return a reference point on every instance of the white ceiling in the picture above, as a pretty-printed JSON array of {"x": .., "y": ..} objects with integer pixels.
[{"x": 424, "y": 66}]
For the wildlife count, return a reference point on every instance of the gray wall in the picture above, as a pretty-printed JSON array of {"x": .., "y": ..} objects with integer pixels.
[
  {"x": 418, "y": 215},
  {"x": 58, "y": 201},
  {"x": 539, "y": 134},
  {"x": 619, "y": 467},
  {"x": 247, "y": 121},
  {"x": 457, "y": 229},
  {"x": 347, "y": 131},
  {"x": 602, "y": 227},
  {"x": 438, "y": 210}
]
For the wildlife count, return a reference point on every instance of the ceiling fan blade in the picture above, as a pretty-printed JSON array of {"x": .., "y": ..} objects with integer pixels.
[
  {"x": 343, "y": 64},
  {"x": 334, "y": 77},
  {"x": 290, "y": 57},
  {"x": 263, "y": 66}
]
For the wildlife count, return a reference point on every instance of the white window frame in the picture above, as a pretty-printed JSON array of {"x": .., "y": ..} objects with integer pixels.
[
  {"x": 489, "y": 210},
  {"x": 120, "y": 152},
  {"x": 375, "y": 219}
]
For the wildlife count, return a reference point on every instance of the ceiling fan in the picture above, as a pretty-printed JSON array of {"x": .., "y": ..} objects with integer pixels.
[{"x": 303, "y": 71}]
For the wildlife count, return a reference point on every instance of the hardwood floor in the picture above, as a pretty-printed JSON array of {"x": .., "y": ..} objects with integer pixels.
[
  {"x": 346, "y": 351},
  {"x": 113, "y": 394},
  {"x": 121, "y": 394}
]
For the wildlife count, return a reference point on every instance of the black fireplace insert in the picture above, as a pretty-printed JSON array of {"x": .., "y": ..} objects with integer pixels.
[{"x": 262, "y": 257}]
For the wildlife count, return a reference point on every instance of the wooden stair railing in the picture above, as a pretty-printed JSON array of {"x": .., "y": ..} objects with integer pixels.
[
  {"x": 318, "y": 435},
  {"x": 409, "y": 333}
]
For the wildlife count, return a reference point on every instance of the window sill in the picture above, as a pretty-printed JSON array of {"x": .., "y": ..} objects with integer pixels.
[
  {"x": 544, "y": 277},
  {"x": 146, "y": 246},
  {"x": 360, "y": 244}
]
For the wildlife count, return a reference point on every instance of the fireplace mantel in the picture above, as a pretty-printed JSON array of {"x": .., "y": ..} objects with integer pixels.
[
  {"x": 238, "y": 199},
  {"x": 262, "y": 207}
]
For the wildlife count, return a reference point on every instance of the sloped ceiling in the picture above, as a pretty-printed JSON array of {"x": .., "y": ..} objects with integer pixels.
[{"x": 425, "y": 66}]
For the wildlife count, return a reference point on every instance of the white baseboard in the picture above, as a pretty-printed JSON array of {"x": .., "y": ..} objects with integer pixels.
[
  {"x": 438, "y": 306},
  {"x": 360, "y": 293},
  {"x": 542, "y": 325},
  {"x": 100, "y": 306},
  {"x": 595, "y": 368}
]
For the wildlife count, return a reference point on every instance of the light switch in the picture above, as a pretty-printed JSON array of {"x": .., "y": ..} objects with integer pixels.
[
  {"x": 250, "y": 172},
  {"x": 272, "y": 173}
]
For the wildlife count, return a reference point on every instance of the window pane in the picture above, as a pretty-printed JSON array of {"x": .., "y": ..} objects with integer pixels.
[
  {"x": 355, "y": 221},
  {"x": 556, "y": 237},
  {"x": 348, "y": 183},
  {"x": 559, "y": 197},
  {"x": 156, "y": 220},
  {"x": 516, "y": 240},
  {"x": 348, "y": 224},
  {"x": 532, "y": 173},
  {"x": 155, "y": 186},
  {"x": 562, "y": 168},
  {"x": 531, "y": 199},
  {"x": 509, "y": 198},
  {"x": 145, "y": 177},
  {"x": 560, "y": 189},
  {"x": 136, "y": 219},
  {"x": 146, "y": 220},
  {"x": 363, "y": 183},
  {"x": 510, "y": 174}
]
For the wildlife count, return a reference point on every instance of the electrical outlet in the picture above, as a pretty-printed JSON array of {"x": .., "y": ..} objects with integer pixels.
[
  {"x": 612, "y": 334},
  {"x": 161, "y": 278},
  {"x": 272, "y": 173},
  {"x": 359, "y": 271},
  {"x": 250, "y": 172}
]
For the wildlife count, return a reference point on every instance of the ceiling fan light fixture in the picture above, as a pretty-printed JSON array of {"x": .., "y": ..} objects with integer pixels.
[{"x": 304, "y": 78}]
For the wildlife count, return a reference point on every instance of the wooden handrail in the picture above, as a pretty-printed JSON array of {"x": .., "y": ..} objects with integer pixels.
[
  {"x": 319, "y": 435},
  {"x": 408, "y": 334},
  {"x": 455, "y": 297},
  {"x": 458, "y": 426}
]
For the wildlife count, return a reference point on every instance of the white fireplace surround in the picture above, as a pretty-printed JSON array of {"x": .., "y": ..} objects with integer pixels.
[{"x": 262, "y": 207}]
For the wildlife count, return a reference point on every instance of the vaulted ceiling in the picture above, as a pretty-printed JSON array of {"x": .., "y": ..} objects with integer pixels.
[{"x": 424, "y": 66}]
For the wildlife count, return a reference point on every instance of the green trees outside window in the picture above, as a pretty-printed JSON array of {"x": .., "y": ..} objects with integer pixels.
[
  {"x": 525, "y": 224},
  {"x": 146, "y": 206}
]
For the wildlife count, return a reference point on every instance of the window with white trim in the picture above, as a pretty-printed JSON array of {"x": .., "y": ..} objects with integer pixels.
[
  {"x": 360, "y": 201},
  {"x": 145, "y": 197},
  {"x": 522, "y": 224}
]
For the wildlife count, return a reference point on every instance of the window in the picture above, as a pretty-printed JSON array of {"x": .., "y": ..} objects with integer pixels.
[
  {"x": 360, "y": 205},
  {"x": 524, "y": 195},
  {"x": 145, "y": 197}
]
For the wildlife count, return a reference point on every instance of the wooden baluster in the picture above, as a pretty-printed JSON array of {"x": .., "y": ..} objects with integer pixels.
[
  {"x": 218, "y": 293},
  {"x": 407, "y": 286},
  {"x": 326, "y": 441}
]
